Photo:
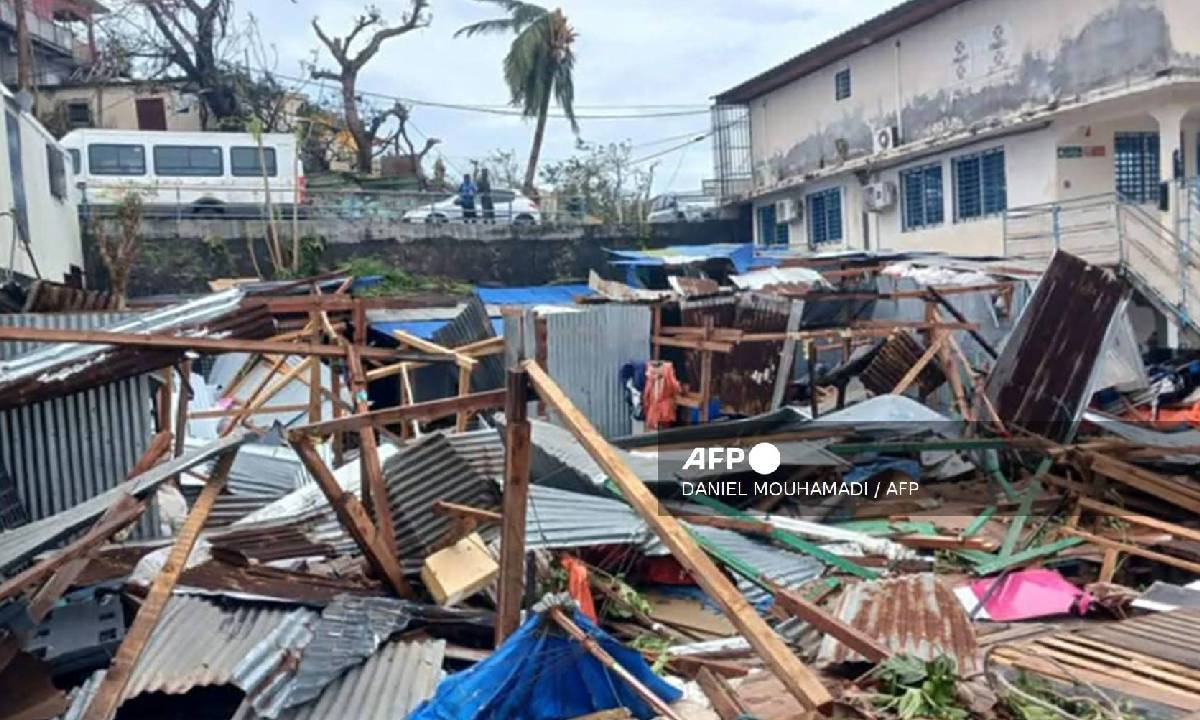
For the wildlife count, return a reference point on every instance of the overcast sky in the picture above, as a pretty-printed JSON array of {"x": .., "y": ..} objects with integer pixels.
[{"x": 629, "y": 52}]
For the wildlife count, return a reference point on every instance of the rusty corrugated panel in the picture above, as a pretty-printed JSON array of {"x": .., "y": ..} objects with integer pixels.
[
  {"x": 744, "y": 379},
  {"x": 914, "y": 615},
  {"x": 1042, "y": 377},
  {"x": 49, "y": 296},
  {"x": 893, "y": 361},
  {"x": 255, "y": 580}
]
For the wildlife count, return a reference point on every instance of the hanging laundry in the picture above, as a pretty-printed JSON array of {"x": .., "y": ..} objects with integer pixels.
[{"x": 662, "y": 389}]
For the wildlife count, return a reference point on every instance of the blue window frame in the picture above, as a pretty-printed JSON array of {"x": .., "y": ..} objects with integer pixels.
[
  {"x": 771, "y": 232},
  {"x": 923, "y": 197},
  {"x": 980, "y": 185},
  {"x": 1135, "y": 155},
  {"x": 824, "y": 213},
  {"x": 841, "y": 85}
]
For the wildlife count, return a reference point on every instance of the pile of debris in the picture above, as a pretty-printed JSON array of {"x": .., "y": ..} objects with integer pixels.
[{"x": 726, "y": 487}]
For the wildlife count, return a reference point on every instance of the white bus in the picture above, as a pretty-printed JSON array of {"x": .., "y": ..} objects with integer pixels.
[{"x": 196, "y": 172}]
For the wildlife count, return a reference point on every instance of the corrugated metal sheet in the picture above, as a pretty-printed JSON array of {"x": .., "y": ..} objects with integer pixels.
[
  {"x": 784, "y": 567},
  {"x": 560, "y": 461},
  {"x": 199, "y": 643},
  {"x": 584, "y": 355},
  {"x": 562, "y": 519},
  {"x": 55, "y": 321},
  {"x": 419, "y": 475},
  {"x": 262, "y": 470},
  {"x": 914, "y": 614},
  {"x": 63, "y": 451},
  {"x": 22, "y": 543},
  {"x": 1043, "y": 376},
  {"x": 470, "y": 324},
  {"x": 894, "y": 360},
  {"x": 389, "y": 685}
]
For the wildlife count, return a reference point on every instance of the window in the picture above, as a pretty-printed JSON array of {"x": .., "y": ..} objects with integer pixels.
[
  {"x": 824, "y": 216},
  {"x": 841, "y": 85},
  {"x": 116, "y": 160},
  {"x": 57, "y": 167},
  {"x": 79, "y": 114},
  {"x": 980, "y": 185},
  {"x": 243, "y": 162},
  {"x": 922, "y": 195},
  {"x": 1137, "y": 170},
  {"x": 188, "y": 161},
  {"x": 771, "y": 232},
  {"x": 76, "y": 161}
]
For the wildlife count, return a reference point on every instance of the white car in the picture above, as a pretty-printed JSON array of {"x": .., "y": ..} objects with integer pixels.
[
  {"x": 511, "y": 207},
  {"x": 681, "y": 208}
]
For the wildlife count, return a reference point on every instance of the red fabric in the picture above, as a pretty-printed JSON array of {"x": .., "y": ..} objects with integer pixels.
[
  {"x": 578, "y": 587},
  {"x": 662, "y": 388}
]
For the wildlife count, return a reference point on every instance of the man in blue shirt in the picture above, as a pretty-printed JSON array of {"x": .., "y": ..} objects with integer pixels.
[{"x": 466, "y": 198}]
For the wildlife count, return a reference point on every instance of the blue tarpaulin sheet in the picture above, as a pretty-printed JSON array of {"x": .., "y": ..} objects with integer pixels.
[
  {"x": 534, "y": 295},
  {"x": 425, "y": 329},
  {"x": 541, "y": 674}
]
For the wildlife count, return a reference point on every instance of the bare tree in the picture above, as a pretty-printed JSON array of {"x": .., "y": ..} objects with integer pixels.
[
  {"x": 190, "y": 38},
  {"x": 418, "y": 156},
  {"x": 119, "y": 253},
  {"x": 350, "y": 63}
]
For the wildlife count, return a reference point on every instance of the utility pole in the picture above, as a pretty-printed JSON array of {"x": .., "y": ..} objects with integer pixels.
[{"x": 24, "y": 48}]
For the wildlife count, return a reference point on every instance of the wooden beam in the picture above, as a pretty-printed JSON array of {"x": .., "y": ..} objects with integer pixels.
[
  {"x": 1139, "y": 519},
  {"x": 433, "y": 348},
  {"x": 442, "y": 507},
  {"x": 517, "y": 463},
  {"x": 804, "y": 684},
  {"x": 589, "y": 643},
  {"x": 374, "y": 489},
  {"x": 721, "y": 695},
  {"x": 353, "y": 517},
  {"x": 1109, "y": 544},
  {"x": 432, "y": 410},
  {"x": 464, "y": 389},
  {"x": 915, "y": 371},
  {"x": 819, "y": 618},
  {"x": 242, "y": 412},
  {"x": 201, "y": 345},
  {"x": 108, "y": 695},
  {"x": 123, "y": 512}
]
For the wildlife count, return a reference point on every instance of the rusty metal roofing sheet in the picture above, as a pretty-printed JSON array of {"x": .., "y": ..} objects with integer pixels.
[
  {"x": 389, "y": 685},
  {"x": 913, "y": 614},
  {"x": 894, "y": 360},
  {"x": 1042, "y": 379}
]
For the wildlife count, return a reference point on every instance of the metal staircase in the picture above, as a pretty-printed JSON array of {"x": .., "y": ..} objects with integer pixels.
[{"x": 1159, "y": 261}]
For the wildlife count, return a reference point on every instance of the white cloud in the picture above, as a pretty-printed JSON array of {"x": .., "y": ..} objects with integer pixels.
[{"x": 629, "y": 52}]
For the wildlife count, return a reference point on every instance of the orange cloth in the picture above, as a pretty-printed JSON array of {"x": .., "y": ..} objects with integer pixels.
[
  {"x": 578, "y": 587},
  {"x": 1167, "y": 417},
  {"x": 662, "y": 388}
]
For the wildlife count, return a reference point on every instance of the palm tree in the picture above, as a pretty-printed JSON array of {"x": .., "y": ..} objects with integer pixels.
[{"x": 537, "y": 68}]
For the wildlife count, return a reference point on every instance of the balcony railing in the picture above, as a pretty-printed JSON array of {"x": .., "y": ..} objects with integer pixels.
[{"x": 44, "y": 30}]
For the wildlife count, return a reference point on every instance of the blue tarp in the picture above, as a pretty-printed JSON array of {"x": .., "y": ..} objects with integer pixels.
[
  {"x": 741, "y": 255},
  {"x": 541, "y": 674},
  {"x": 425, "y": 329},
  {"x": 535, "y": 295}
]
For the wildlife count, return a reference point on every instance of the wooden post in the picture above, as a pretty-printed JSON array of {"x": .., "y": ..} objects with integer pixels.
[
  {"x": 655, "y": 331},
  {"x": 1108, "y": 567},
  {"x": 706, "y": 360},
  {"x": 314, "y": 373},
  {"x": 464, "y": 389},
  {"x": 800, "y": 681},
  {"x": 181, "y": 407},
  {"x": 814, "y": 404},
  {"x": 166, "y": 400},
  {"x": 816, "y": 616},
  {"x": 108, "y": 696},
  {"x": 517, "y": 459},
  {"x": 355, "y": 520},
  {"x": 374, "y": 489}
]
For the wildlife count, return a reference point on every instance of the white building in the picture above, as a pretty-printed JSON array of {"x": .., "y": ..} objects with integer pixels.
[
  {"x": 39, "y": 222},
  {"x": 936, "y": 125}
]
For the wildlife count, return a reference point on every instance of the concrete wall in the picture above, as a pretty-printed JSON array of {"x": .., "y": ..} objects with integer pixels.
[
  {"x": 114, "y": 107},
  {"x": 183, "y": 257},
  {"x": 53, "y": 222},
  {"x": 968, "y": 65}
]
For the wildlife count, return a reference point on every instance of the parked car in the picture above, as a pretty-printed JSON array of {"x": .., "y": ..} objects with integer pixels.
[
  {"x": 204, "y": 172},
  {"x": 672, "y": 207},
  {"x": 511, "y": 207}
]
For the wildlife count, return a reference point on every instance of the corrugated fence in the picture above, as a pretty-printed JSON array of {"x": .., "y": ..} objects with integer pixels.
[{"x": 63, "y": 451}]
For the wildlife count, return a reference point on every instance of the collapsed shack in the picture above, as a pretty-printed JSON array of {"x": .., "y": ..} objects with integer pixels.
[{"x": 381, "y": 508}]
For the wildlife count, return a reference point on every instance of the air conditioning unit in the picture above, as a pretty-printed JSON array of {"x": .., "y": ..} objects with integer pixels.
[
  {"x": 886, "y": 138},
  {"x": 879, "y": 196},
  {"x": 788, "y": 210}
]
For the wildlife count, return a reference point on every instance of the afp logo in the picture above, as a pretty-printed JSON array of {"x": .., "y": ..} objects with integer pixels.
[{"x": 763, "y": 458}]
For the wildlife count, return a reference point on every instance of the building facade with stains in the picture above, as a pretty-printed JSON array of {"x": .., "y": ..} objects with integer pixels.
[{"x": 925, "y": 127}]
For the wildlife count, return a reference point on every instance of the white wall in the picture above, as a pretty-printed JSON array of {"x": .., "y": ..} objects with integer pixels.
[{"x": 53, "y": 223}]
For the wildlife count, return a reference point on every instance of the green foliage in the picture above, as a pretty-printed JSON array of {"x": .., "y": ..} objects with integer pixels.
[
  {"x": 1038, "y": 693},
  {"x": 311, "y": 250},
  {"x": 396, "y": 281},
  {"x": 600, "y": 183},
  {"x": 630, "y": 601},
  {"x": 656, "y": 645},
  {"x": 913, "y": 688}
]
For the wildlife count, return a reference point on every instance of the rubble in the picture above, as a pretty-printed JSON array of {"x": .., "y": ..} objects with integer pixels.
[{"x": 455, "y": 512}]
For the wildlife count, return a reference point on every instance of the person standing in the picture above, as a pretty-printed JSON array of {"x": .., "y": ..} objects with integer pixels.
[
  {"x": 466, "y": 198},
  {"x": 486, "y": 202}
]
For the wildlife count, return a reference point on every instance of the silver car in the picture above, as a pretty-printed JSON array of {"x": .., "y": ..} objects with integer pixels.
[{"x": 510, "y": 206}]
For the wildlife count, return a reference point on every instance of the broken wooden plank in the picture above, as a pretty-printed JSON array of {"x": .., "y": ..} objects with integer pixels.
[
  {"x": 353, "y": 517},
  {"x": 826, "y": 623},
  {"x": 432, "y": 410},
  {"x": 724, "y": 699},
  {"x": 374, "y": 489},
  {"x": 517, "y": 463},
  {"x": 802, "y": 682},
  {"x": 442, "y": 507},
  {"x": 108, "y": 695}
]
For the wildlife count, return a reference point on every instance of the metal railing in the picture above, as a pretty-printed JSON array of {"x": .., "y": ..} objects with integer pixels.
[
  {"x": 44, "y": 29},
  {"x": 1109, "y": 230}
]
